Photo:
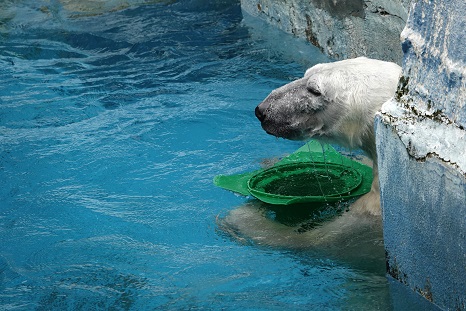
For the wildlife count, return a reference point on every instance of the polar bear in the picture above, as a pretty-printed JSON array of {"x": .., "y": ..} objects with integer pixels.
[{"x": 334, "y": 102}]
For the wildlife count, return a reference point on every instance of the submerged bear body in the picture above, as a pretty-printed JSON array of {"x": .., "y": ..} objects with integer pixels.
[{"x": 336, "y": 103}]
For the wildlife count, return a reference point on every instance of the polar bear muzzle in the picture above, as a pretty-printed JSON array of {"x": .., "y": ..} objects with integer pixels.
[{"x": 292, "y": 111}]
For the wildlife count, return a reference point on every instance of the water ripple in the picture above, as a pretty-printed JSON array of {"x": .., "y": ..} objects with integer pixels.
[{"x": 114, "y": 118}]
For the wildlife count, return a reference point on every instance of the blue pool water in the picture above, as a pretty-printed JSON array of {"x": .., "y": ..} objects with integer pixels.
[{"x": 113, "y": 122}]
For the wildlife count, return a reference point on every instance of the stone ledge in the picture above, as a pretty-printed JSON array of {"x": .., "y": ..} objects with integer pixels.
[{"x": 427, "y": 135}]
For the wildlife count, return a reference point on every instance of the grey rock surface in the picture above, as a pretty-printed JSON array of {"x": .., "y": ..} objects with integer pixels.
[
  {"x": 421, "y": 143},
  {"x": 341, "y": 29}
]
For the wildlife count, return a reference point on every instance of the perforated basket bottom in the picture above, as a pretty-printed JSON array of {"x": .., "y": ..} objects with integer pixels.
[{"x": 297, "y": 180}]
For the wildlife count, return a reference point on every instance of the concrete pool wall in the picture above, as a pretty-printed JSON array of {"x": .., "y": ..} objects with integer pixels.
[
  {"x": 340, "y": 29},
  {"x": 421, "y": 142},
  {"x": 421, "y": 132}
]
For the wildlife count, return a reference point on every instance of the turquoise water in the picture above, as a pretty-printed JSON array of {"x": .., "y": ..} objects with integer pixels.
[{"x": 113, "y": 122}]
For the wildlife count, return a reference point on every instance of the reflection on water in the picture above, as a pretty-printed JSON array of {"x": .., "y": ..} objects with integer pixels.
[{"x": 114, "y": 118}]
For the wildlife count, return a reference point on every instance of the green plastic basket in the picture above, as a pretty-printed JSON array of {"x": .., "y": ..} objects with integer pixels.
[
  {"x": 304, "y": 182},
  {"x": 314, "y": 173}
]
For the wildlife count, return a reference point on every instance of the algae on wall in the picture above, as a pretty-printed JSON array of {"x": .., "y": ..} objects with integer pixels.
[{"x": 341, "y": 29}]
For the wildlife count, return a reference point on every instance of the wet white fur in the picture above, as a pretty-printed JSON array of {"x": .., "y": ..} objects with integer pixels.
[{"x": 334, "y": 102}]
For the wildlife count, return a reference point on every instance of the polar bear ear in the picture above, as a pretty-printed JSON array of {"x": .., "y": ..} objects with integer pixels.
[
  {"x": 308, "y": 72},
  {"x": 313, "y": 69}
]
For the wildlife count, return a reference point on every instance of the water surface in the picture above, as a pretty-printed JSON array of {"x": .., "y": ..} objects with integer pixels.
[{"x": 114, "y": 119}]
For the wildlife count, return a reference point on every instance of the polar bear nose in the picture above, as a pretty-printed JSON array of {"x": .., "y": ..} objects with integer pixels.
[{"x": 260, "y": 111}]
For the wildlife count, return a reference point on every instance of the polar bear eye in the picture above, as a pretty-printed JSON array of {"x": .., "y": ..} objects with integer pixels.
[{"x": 314, "y": 91}]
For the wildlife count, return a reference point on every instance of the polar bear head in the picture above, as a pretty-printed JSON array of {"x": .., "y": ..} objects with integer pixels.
[{"x": 335, "y": 102}]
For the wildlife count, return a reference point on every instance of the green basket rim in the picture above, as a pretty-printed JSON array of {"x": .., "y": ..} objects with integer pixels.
[{"x": 266, "y": 196}]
